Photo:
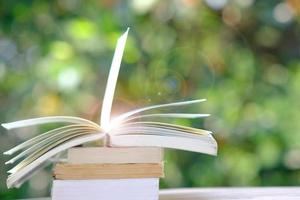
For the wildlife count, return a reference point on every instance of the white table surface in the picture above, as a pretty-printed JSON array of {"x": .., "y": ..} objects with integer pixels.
[
  {"x": 232, "y": 193},
  {"x": 255, "y": 193}
]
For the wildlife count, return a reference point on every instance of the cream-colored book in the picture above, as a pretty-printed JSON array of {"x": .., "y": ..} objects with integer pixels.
[
  {"x": 89, "y": 155},
  {"x": 108, "y": 171}
]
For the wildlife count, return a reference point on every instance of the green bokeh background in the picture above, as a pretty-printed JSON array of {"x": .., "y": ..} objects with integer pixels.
[{"x": 242, "y": 55}]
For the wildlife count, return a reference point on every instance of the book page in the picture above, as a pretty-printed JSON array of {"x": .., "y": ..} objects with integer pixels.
[
  {"x": 51, "y": 137},
  {"x": 154, "y": 134},
  {"x": 166, "y": 126},
  {"x": 206, "y": 145},
  {"x": 126, "y": 115},
  {"x": 24, "y": 173},
  {"x": 167, "y": 115},
  {"x": 112, "y": 81}
]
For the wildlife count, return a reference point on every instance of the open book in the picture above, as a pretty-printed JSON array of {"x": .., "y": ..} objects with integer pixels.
[{"x": 130, "y": 129}]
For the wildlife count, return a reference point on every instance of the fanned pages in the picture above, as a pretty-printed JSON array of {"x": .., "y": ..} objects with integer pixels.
[
  {"x": 46, "y": 120},
  {"x": 131, "y": 129}
]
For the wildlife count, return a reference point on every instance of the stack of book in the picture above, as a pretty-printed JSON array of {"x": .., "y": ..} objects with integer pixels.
[
  {"x": 109, "y": 173},
  {"x": 129, "y": 163}
]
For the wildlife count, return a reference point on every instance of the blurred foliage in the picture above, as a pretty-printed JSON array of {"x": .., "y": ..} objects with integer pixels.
[{"x": 242, "y": 55}]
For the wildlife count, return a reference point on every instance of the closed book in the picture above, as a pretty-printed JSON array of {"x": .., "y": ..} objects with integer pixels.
[
  {"x": 112, "y": 189},
  {"x": 108, "y": 171},
  {"x": 88, "y": 155}
]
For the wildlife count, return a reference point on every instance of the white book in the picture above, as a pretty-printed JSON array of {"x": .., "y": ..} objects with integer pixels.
[
  {"x": 130, "y": 129},
  {"x": 112, "y": 189},
  {"x": 92, "y": 155}
]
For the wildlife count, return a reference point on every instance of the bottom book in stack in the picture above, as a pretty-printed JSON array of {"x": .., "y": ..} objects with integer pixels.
[
  {"x": 125, "y": 189},
  {"x": 109, "y": 173}
]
